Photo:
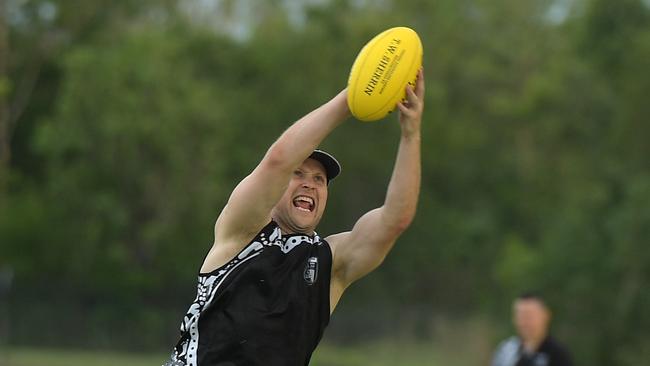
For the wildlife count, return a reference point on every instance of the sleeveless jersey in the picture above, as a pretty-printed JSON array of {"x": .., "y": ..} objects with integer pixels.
[{"x": 268, "y": 306}]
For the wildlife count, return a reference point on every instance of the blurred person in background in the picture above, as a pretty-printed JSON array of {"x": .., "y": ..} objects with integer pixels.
[{"x": 532, "y": 346}]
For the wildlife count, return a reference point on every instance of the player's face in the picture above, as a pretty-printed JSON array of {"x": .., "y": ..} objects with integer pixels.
[
  {"x": 303, "y": 203},
  {"x": 531, "y": 319}
]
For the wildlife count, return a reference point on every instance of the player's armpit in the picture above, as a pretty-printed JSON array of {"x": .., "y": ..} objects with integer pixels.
[{"x": 361, "y": 250}]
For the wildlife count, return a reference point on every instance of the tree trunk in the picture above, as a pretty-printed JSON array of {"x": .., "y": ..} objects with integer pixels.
[{"x": 5, "y": 150}]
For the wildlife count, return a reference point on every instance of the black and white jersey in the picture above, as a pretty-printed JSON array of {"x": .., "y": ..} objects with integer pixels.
[
  {"x": 550, "y": 353},
  {"x": 267, "y": 306}
]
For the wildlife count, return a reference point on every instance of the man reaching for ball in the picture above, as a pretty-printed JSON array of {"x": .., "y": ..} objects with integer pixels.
[{"x": 269, "y": 283}]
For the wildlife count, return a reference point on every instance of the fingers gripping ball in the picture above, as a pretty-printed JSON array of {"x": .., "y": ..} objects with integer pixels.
[{"x": 381, "y": 71}]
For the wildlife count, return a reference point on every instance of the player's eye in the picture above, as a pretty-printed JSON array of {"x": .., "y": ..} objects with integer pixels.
[{"x": 319, "y": 179}]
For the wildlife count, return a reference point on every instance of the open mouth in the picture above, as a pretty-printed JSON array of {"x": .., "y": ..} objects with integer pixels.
[{"x": 304, "y": 203}]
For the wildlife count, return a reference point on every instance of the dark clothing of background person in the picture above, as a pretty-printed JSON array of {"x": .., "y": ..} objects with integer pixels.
[{"x": 550, "y": 353}]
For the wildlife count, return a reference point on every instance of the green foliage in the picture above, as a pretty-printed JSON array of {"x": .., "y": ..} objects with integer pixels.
[
  {"x": 143, "y": 119},
  {"x": 140, "y": 128}
]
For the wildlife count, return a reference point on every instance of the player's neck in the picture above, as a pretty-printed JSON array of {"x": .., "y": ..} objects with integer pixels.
[{"x": 288, "y": 229}]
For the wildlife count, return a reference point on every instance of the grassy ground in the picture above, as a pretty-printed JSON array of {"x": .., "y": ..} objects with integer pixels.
[
  {"x": 46, "y": 357},
  {"x": 377, "y": 354},
  {"x": 387, "y": 354}
]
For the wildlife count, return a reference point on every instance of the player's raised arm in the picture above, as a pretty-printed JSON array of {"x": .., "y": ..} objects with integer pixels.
[
  {"x": 269, "y": 283},
  {"x": 250, "y": 204},
  {"x": 361, "y": 250}
]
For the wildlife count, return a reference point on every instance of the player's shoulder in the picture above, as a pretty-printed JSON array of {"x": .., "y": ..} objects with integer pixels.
[
  {"x": 336, "y": 240},
  {"x": 224, "y": 249}
]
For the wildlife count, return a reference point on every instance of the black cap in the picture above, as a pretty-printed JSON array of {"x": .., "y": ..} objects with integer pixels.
[{"x": 332, "y": 166}]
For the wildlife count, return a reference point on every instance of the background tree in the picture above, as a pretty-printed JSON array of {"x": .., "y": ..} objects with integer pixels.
[{"x": 132, "y": 121}]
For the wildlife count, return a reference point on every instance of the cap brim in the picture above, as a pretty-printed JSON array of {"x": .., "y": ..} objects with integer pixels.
[{"x": 332, "y": 166}]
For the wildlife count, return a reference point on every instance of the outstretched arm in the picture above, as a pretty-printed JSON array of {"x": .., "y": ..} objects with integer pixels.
[
  {"x": 250, "y": 204},
  {"x": 361, "y": 250}
]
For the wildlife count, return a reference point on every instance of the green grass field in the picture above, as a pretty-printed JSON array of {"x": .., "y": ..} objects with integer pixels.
[
  {"x": 47, "y": 357},
  {"x": 377, "y": 354}
]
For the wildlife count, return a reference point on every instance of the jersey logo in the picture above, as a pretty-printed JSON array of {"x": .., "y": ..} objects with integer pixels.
[{"x": 311, "y": 271}]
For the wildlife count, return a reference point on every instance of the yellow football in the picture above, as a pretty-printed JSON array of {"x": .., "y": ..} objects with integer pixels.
[{"x": 381, "y": 71}]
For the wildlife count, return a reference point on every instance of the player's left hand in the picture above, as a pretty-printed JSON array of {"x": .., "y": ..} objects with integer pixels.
[{"x": 410, "y": 115}]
